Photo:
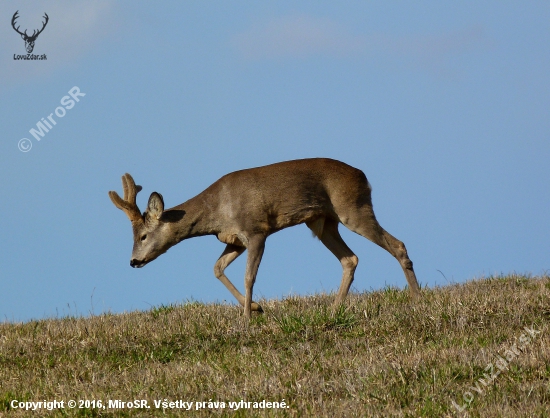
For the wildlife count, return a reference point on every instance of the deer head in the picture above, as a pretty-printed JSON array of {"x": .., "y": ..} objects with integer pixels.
[
  {"x": 150, "y": 237},
  {"x": 29, "y": 40}
]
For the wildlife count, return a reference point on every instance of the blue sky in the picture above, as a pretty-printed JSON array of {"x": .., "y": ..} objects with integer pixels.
[{"x": 444, "y": 105}]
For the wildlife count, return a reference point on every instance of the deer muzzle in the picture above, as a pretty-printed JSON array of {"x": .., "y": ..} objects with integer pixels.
[{"x": 137, "y": 263}]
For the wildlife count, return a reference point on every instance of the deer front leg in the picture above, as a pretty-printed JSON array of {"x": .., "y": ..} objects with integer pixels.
[
  {"x": 255, "y": 252},
  {"x": 229, "y": 255}
]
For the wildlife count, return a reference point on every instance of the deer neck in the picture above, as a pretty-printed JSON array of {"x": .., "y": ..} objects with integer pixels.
[{"x": 190, "y": 219}]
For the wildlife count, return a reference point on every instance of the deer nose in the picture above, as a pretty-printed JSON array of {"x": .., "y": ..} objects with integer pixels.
[{"x": 133, "y": 262}]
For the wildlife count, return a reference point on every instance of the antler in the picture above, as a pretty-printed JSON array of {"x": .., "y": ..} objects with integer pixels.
[
  {"x": 34, "y": 33},
  {"x": 13, "y": 19},
  {"x": 128, "y": 204},
  {"x": 43, "y": 26}
]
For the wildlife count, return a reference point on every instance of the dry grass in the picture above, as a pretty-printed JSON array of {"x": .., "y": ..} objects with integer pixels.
[{"x": 381, "y": 355}]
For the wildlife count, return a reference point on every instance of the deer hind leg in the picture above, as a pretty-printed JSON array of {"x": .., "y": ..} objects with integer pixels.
[
  {"x": 229, "y": 255},
  {"x": 364, "y": 223},
  {"x": 331, "y": 238}
]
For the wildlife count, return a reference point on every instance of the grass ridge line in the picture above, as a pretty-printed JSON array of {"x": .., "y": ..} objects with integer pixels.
[{"x": 379, "y": 354}]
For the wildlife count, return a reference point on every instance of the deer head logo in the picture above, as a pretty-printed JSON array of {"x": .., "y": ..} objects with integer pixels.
[{"x": 29, "y": 40}]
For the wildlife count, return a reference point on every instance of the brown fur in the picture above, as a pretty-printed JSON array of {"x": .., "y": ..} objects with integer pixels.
[{"x": 244, "y": 207}]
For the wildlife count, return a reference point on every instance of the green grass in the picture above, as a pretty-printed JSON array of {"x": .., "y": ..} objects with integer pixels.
[{"x": 380, "y": 354}]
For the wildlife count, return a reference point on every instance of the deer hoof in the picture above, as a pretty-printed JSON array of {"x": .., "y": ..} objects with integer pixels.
[{"x": 255, "y": 307}]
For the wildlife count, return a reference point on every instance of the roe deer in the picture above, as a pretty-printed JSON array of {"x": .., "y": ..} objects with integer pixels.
[{"x": 244, "y": 207}]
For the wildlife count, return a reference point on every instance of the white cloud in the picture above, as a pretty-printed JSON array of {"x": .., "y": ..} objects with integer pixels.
[
  {"x": 305, "y": 36},
  {"x": 296, "y": 36}
]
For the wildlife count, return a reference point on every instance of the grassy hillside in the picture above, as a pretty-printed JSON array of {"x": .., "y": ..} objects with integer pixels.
[{"x": 380, "y": 355}]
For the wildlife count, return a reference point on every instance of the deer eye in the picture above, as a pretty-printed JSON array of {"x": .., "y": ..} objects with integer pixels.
[{"x": 143, "y": 237}]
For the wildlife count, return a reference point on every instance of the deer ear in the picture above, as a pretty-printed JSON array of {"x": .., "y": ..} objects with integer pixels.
[{"x": 155, "y": 207}]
